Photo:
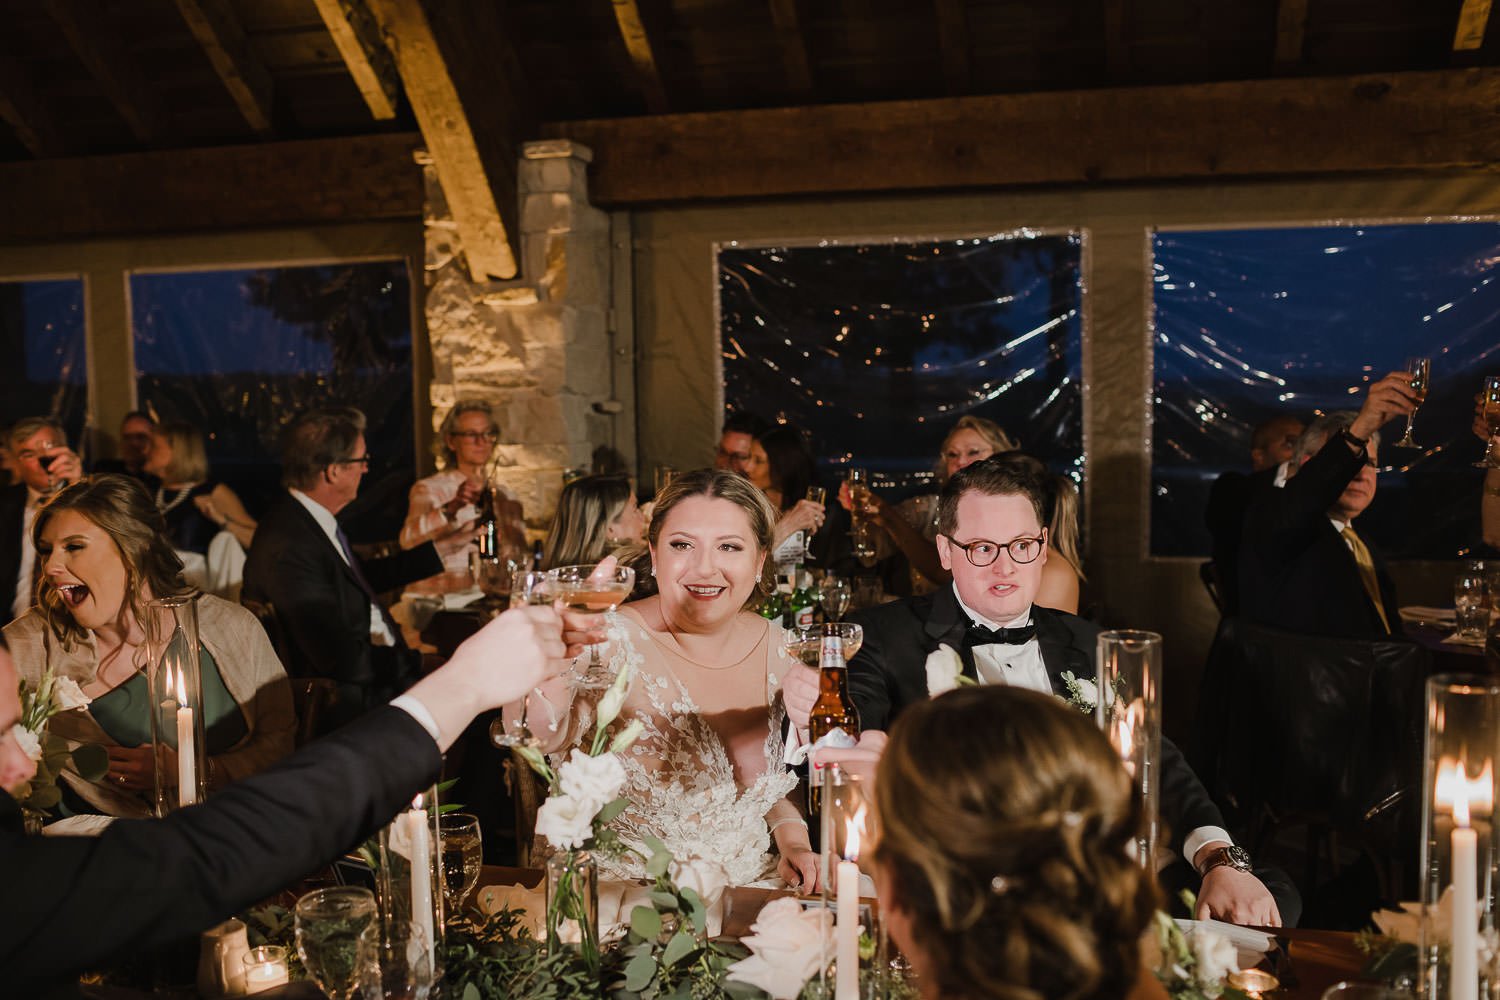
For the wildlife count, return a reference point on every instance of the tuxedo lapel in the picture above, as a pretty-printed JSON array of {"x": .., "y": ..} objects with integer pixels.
[
  {"x": 1060, "y": 652},
  {"x": 315, "y": 536},
  {"x": 948, "y": 625}
]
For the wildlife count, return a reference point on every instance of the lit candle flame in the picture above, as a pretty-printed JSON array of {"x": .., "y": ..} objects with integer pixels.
[
  {"x": 854, "y": 832},
  {"x": 181, "y": 689},
  {"x": 1455, "y": 792}
]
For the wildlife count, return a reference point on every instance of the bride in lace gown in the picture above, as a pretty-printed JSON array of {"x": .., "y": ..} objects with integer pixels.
[{"x": 706, "y": 774}]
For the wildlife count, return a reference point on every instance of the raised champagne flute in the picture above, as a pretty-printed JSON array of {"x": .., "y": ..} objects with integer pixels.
[
  {"x": 510, "y": 729},
  {"x": 1490, "y": 401},
  {"x": 1421, "y": 376},
  {"x": 328, "y": 924},
  {"x": 584, "y": 588}
]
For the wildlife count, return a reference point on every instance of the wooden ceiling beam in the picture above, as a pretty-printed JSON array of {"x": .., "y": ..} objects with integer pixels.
[
  {"x": 220, "y": 188},
  {"x": 24, "y": 110},
  {"x": 642, "y": 55},
  {"x": 1473, "y": 19},
  {"x": 454, "y": 81},
  {"x": 1291, "y": 35},
  {"x": 222, "y": 38},
  {"x": 953, "y": 44},
  {"x": 357, "y": 36},
  {"x": 793, "y": 45},
  {"x": 1116, "y": 41},
  {"x": 1392, "y": 121},
  {"x": 83, "y": 23}
]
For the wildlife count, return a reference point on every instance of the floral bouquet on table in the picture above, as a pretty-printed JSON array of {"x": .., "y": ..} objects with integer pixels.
[
  {"x": 584, "y": 798},
  {"x": 51, "y": 696},
  {"x": 1192, "y": 965}
]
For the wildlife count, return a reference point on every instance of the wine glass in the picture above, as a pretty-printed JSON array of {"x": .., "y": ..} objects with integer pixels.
[
  {"x": 1490, "y": 398},
  {"x": 1421, "y": 375},
  {"x": 834, "y": 594},
  {"x": 530, "y": 587},
  {"x": 394, "y": 962},
  {"x": 463, "y": 855},
  {"x": 583, "y": 588},
  {"x": 328, "y": 924}
]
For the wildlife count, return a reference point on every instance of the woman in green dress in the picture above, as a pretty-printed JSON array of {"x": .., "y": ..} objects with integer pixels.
[{"x": 101, "y": 556}]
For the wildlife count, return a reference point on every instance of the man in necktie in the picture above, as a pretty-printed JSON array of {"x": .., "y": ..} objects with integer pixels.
[
  {"x": 40, "y": 450},
  {"x": 1304, "y": 566},
  {"x": 323, "y": 595},
  {"x": 991, "y": 538}
]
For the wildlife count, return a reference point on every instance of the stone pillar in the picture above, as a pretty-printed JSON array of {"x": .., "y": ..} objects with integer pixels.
[{"x": 537, "y": 348}]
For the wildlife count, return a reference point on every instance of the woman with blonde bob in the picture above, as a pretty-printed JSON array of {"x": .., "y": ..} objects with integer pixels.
[
  {"x": 195, "y": 507},
  {"x": 596, "y": 516},
  {"x": 101, "y": 559},
  {"x": 1004, "y": 859}
]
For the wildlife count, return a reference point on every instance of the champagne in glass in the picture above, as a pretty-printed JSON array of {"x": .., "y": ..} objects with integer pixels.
[
  {"x": 1489, "y": 399},
  {"x": 328, "y": 923},
  {"x": 1421, "y": 376},
  {"x": 806, "y": 643},
  {"x": 864, "y": 529},
  {"x": 582, "y": 588},
  {"x": 463, "y": 855}
]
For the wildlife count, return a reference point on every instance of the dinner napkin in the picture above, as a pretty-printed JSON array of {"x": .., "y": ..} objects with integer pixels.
[{"x": 1250, "y": 946}]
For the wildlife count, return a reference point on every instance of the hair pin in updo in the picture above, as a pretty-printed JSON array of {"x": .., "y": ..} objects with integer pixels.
[
  {"x": 1000, "y": 885},
  {"x": 1072, "y": 819}
]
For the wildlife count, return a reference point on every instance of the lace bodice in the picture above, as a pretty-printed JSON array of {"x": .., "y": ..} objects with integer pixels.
[{"x": 707, "y": 769}]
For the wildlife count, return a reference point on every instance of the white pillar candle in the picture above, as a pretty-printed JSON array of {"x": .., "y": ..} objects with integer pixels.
[
  {"x": 421, "y": 874},
  {"x": 847, "y": 927},
  {"x": 187, "y": 779},
  {"x": 1463, "y": 976}
]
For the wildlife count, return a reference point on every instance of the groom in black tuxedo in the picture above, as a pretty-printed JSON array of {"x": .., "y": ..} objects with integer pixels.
[{"x": 990, "y": 536}]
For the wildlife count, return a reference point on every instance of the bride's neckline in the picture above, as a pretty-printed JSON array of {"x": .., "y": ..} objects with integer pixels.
[{"x": 667, "y": 639}]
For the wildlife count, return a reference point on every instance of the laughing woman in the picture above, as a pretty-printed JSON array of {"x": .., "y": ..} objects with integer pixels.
[{"x": 101, "y": 557}]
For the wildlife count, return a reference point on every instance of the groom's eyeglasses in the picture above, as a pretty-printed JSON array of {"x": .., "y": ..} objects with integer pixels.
[{"x": 982, "y": 552}]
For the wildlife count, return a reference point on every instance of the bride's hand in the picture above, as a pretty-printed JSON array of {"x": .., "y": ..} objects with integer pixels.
[{"x": 799, "y": 869}]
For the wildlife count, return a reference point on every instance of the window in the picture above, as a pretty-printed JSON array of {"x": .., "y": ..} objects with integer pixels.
[{"x": 42, "y": 332}]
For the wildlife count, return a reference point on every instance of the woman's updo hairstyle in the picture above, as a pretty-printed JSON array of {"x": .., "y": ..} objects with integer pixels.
[
  {"x": 1007, "y": 833},
  {"x": 721, "y": 485}
]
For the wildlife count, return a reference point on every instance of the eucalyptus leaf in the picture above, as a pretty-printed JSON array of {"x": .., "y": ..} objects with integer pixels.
[
  {"x": 91, "y": 761},
  {"x": 471, "y": 992},
  {"x": 657, "y": 867},
  {"x": 664, "y": 901},
  {"x": 45, "y": 798},
  {"x": 645, "y": 922},
  {"x": 656, "y": 844},
  {"x": 640, "y": 972},
  {"x": 612, "y": 809},
  {"x": 680, "y": 945}
]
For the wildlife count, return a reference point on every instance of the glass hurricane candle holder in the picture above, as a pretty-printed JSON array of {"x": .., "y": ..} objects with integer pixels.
[
  {"x": 1458, "y": 834},
  {"x": 409, "y": 876},
  {"x": 848, "y": 828},
  {"x": 1129, "y": 711},
  {"x": 176, "y": 692}
]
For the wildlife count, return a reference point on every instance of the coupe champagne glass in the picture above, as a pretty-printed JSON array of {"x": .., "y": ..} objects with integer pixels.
[
  {"x": 394, "y": 962},
  {"x": 463, "y": 855},
  {"x": 583, "y": 588},
  {"x": 1490, "y": 398},
  {"x": 530, "y": 587},
  {"x": 805, "y": 643},
  {"x": 834, "y": 595},
  {"x": 328, "y": 924},
  {"x": 1421, "y": 375}
]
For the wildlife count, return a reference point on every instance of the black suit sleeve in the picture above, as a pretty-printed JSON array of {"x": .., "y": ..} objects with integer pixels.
[
  {"x": 1185, "y": 803},
  {"x": 870, "y": 682},
  {"x": 1282, "y": 523},
  {"x": 400, "y": 568},
  {"x": 78, "y": 902},
  {"x": 305, "y": 585}
]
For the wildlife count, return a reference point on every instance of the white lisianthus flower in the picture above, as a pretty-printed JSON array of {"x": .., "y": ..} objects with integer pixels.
[
  {"x": 566, "y": 823},
  {"x": 944, "y": 667},
  {"x": 614, "y": 698},
  {"x": 1214, "y": 956},
  {"x": 67, "y": 695},
  {"x": 592, "y": 781},
  {"x": 786, "y": 947},
  {"x": 626, "y": 737},
  {"x": 31, "y": 744}
]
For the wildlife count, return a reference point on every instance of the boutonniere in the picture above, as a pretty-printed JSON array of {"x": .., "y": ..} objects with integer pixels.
[
  {"x": 1083, "y": 694},
  {"x": 945, "y": 670}
]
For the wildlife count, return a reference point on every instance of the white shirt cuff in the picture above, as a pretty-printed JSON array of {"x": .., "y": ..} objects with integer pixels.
[
  {"x": 414, "y": 708},
  {"x": 789, "y": 755},
  {"x": 1204, "y": 835}
]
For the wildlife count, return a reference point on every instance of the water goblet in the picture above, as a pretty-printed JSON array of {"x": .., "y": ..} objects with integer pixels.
[
  {"x": 1490, "y": 401},
  {"x": 394, "y": 962},
  {"x": 463, "y": 856},
  {"x": 328, "y": 923},
  {"x": 1421, "y": 377},
  {"x": 834, "y": 594},
  {"x": 583, "y": 588}
]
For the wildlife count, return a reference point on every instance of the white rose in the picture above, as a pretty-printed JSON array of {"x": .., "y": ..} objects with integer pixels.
[
  {"x": 1215, "y": 955},
  {"x": 943, "y": 670},
  {"x": 31, "y": 745},
  {"x": 67, "y": 695},
  {"x": 1405, "y": 924},
  {"x": 565, "y": 822},
  {"x": 592, "y": 781},
  {"x": 1088, "y": 692},
  {"x": 708, "y": 879},
  {"x": 786, "y": 948}
]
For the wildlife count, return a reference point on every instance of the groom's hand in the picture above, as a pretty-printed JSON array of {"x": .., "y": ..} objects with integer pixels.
[{"x": 799, "y": 690}]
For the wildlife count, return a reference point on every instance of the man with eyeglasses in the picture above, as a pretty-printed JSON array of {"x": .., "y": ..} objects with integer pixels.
[
  {"x": 740, "y": 431},
  {"x": 302, "y": 573},
  {"x": 136, "y": 430},
  {"x": 1303, "y": 567},
  {"x": 40, "y": 450},
  {"x": 991, "y": 538}
]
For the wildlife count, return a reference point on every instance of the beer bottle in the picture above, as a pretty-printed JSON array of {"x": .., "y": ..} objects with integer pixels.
[{"x": 834, "y": 709}]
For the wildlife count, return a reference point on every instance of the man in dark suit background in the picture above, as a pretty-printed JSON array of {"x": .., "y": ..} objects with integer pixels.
[
  {"x": 31, "y": 441},
  {"x": 1303, "y": 567},
  {"x": 75, "y": 903},
  {"x": 1271, "y": 445},
  {"x": 990, "y": 536},
  {"x": 323, "y": 596}
]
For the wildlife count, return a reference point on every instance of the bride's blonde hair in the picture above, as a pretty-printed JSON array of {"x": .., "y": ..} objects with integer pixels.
[{"x": 722, "y": 485}]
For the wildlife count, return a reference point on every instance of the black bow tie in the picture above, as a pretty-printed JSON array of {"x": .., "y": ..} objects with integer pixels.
[{"x": 980, "y": 635}]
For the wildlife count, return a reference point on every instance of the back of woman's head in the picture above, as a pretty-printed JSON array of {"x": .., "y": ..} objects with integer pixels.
[
  {"x": 121, "y": 508},
  {"x": 585, "y": 510},
  {"x": 1006, "y": 829},
  {"x": 793, "y": 469}
]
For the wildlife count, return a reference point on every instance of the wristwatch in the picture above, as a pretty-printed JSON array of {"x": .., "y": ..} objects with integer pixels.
[{"x": 1235, "y": 857}]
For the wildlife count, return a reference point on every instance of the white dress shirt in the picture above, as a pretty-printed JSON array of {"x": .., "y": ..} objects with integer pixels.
[
  {"x": 21, "y": 603},
  {"x": 380, "y": 633}
]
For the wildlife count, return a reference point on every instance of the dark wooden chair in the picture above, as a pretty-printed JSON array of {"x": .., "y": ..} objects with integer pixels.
[
  {"x": 528, "y": 793},
  {"x": 313, "y": 697}
]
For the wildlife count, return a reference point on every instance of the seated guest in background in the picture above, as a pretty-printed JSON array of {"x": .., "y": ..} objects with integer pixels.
[
  {"x": 596, "y": 516},
  {"x": 102, "y": 557},
  {"x": 1271, "y": 445},
  {"x": 136, "y": 431},
  {"x": 141, "y": 885},
  {"x": 1489, "y": 501},
  {"x": 740, "y": 429},
  {"x": 990, "y": 537},
  {"x": 1062, "y": 575},
  {"x": 442, "y": 506},
  {"x": 1302, "y": 565},
  {"x": 323, "y": 596},
  {"x": 206, "y": 523},
  {"x": 782, "y": 467},
  {"x": 40, "y": 450},
  {"x": 1003, "y": 862}
]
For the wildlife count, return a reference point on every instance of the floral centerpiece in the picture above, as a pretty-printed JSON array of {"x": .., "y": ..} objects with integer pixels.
[
  {"x": 52, "y": 696},
  {"x": 1192, "y": 965}
]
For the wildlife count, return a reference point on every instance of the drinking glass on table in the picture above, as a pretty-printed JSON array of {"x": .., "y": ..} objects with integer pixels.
[
  {"x": 1489, "y": 398},
  {"x": 1470, "y": 605},
  {"x": 510, "y": 729},
  {"x": 834, "y": 594},
  {"x": 1421, "y": 376},
  {"x": 328, "y": 923},
  {"x": 584, "y": 588},
  {"x": 463, "y": 856},
  {"x": 395, "y": 962}
]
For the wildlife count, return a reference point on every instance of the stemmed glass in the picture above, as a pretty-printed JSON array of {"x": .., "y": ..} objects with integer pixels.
[
  {"x": 463, "y": 856},
  {"x": 583, "y": 588},
  {"x": 395, "y": 962},
  {"x": 1421, "y": 375},
  {"x": 530, "y": 587},
  {"x": 805, "y": 642},
  {"x": 1490, "y": 399},
  {"x": 834, "y": 594},
  {"x": 328, "y": 925}
]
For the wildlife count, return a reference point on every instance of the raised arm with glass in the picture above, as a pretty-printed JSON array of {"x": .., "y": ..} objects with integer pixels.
[{"x": 1421, "y": 376}]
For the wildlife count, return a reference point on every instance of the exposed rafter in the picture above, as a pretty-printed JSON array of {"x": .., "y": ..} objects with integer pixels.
[
  {"x": 642, "y": 56},
  {"x": 357, "y": 36},
  {"x": 82, "y": 22},
  {"x": 794, "y": 61},
  {"x": 222, "y": 38},
  {"x": 1473, "y": 18},
  {"x": 953, "y": 44},
  {"x": 24, "y": 110},
  {"x": 1291, "y": 34}
]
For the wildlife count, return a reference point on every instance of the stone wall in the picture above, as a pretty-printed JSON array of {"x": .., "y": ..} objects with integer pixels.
[{"x": 537, "y": 348}]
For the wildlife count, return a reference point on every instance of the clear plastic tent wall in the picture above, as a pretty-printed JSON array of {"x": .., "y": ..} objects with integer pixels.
[
  {"x": 876, "y": 349},
  {"x": 42, "y": 330},
  {"x": 1250, "y": 323}
]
